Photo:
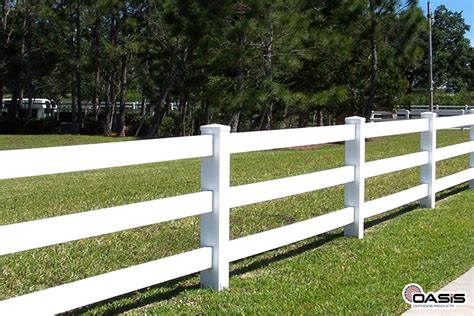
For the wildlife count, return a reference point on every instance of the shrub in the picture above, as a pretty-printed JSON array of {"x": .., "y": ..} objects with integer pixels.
[{"x": 33, "y": 127}]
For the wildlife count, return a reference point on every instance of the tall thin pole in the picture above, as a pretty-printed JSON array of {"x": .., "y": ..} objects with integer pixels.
[{"x": 431, "y": 59}]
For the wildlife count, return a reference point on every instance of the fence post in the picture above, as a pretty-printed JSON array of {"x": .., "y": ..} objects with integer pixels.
[
  {"x": 407, "y": 114},
  {"x": 215, "y": 177},
  {"x": 471, "y": 155},
  {"x": 428, "y": 171},
  {"x": 354, "y": 191}
]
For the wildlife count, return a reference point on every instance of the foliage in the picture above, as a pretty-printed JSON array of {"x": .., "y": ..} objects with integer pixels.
[
  {"x": 463, "y": 97},
  {"x": 33, "y": 127},
  {"x": 254, "y": 65},
  {"x": 452, "y": 50}
]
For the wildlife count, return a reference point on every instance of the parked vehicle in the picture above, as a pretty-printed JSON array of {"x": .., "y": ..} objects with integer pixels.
[{"x": 42, "y": 108}]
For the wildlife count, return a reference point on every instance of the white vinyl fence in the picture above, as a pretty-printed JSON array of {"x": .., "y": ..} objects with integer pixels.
[
  {"x": 415, "y": 111},
  {"x": 216, "y": 197}
]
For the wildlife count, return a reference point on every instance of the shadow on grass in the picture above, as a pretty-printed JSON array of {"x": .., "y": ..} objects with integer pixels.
[
  {"x": 176, "y": 287},
  {"x": 452, "y": 191}
]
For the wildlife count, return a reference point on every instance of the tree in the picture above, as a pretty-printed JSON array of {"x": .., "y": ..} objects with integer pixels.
[
  {"x": 252, "y": 64},
  {"x": 382, "y": 16},
  {"x": 5, "y": 36},
  {"x": 451, "y": 50}
]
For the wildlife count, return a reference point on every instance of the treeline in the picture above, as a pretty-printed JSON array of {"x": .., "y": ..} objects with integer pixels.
[{"x": 252, "y": 64}]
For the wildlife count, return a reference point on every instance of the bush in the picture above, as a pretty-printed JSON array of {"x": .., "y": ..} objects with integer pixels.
[
  {"x": 440, "y": 97},
  {"x": 32, "y": 127},
  {"x": 137, "y": 124},
  {"x": 65, "y": 117},
  {"x": 93, "y": 126}
]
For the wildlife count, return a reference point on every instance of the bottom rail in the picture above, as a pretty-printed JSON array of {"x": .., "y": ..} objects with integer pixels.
[
  {"x": 395, "y": 200},
  {"x": 454, "y": 179},
  {"x": 98, "y": 288},
  {"x": 278, "y": 237}
]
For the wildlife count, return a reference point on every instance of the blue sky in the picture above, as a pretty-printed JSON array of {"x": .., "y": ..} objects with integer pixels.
[{"x": 466, "y": 6}]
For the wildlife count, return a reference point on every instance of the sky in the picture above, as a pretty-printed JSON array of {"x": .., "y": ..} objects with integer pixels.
[{"x": 466, "y": 6}]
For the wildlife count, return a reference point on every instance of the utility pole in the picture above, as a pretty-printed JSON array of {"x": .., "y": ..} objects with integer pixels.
[{"x": 430, "y": 59}]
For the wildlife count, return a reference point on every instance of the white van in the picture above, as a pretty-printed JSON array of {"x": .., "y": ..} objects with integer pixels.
[{"x": 42, "y": 108}]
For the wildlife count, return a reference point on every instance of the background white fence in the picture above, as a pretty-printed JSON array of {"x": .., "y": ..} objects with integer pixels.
[
  {"x": 216, "y": 197},
  {"x": 414, "y": 111}
]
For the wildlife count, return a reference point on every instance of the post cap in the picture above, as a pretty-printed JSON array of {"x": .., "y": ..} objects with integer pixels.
[
  {"x": 354, "y": 119},
  {"x": 215, "y": 127},
  {"x": 429, "y": 114}
]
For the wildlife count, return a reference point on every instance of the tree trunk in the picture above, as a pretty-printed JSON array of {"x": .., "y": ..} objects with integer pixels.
[
  {"x": 142, "y": 114},
  {"x": 207, "y": 113},
  {"x": 16, "y": 96},
  {"x": 143, "y": 105},
  {"x": 111, "y": 88},
  {"x": 235, "y": 119},
  {"x": 290, "y": 120},
  {"x": 160, "y": 108},
  {"x": 369, "y": 107},
  {"x": 123, "y": 89},
  {"x": 73, "y": 102},
  {"x": 95, "y": 94},
  {"x": 110, "y": 103},
  {"x": 3, "y": 44},
  {"x": 183, "y": 107},
  {"x": 96, "y": 50},
  {"x": 17, "y": 99},
  {"x": 73, "y": 79},
  {"x": 29, "y": 70},
  {"x": 2, "y": 85},
  {"x": 160, "y": 112},
  {"x": 320, "y": 117},
  {"x": 29, "y": 95},
  {"x": 77, "y": 70},
  {"x": 268, "y": 72},
  {"x": 145, "y": 83}
]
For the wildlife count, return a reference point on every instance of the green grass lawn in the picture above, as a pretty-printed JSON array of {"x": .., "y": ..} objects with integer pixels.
[{"x": 325, "y": 274}]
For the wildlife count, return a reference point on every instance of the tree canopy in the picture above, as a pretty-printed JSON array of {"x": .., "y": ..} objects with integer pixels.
[{"x": 253, "y": 65}]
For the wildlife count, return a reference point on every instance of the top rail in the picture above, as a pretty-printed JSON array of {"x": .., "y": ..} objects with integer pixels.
[
  {"x": 265, "y": 140},
  {"x": 396, "y": 128},
  {"x": 43, "y": 161},
  {"x": 454, "y": 121}
]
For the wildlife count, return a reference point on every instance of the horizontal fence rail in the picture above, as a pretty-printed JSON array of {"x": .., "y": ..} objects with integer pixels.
[
  {"x": 454, "y": 179},
  {"x": 396, "y": 128},
  {"x": 390, "y": 202},
  {"x": 278, "y": 237},
  {"x": 455, "y": 121},
  {"x": 454, "y": 150},
  {"x": 216, "y": 197},
  {"x": 274, "y": 189},
  {"x": 254, "y": 141},
  {"x": 43, "y": 161},
  {"x": 98, "y": 288},
  {"x": 60, "y": 229},
  {"x": 388, "y": 165}
]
